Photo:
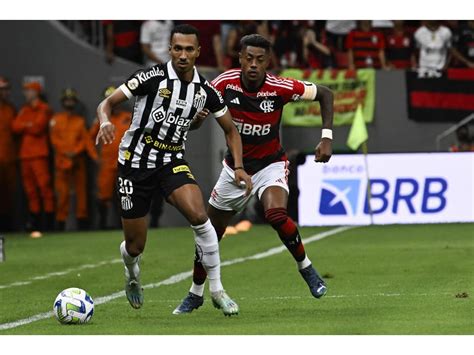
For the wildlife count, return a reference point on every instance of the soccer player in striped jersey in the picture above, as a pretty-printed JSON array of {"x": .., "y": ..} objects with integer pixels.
[
  {"x": 151, "y": 157},
  {"x": 256, "y": 99}
]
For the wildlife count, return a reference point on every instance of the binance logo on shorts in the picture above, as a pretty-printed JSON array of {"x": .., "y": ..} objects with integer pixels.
[{"x": 127, "y": 203}]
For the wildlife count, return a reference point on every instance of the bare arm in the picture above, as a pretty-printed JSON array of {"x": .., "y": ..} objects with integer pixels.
[
  {"x": 234, "y": 142},
  {"x": 350, "y": 59},
  {"x": 323, "y": 150},
  {"x": 218, "y": 52},
  {"x": 456, "y": 54},
  {"x": 104, "y": 110}
]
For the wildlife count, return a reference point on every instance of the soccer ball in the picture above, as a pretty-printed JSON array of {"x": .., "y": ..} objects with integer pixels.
[{"x": 72, "y": 306}]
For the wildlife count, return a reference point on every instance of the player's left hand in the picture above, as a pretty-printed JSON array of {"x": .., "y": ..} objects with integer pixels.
[
  {"x": 323, "y": 151},
  {"x": 106, "y": 133},
  {"x": 242, "y": 179}
]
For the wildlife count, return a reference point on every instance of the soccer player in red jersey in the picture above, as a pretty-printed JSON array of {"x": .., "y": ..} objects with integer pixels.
[{"x": 256, "y": 99}]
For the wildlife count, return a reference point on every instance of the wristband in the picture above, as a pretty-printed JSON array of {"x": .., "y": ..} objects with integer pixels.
[
  {"x": 238, "y": 167},
  {"x": 103, "y": 124},
  {"x": 326, "y": 133}
]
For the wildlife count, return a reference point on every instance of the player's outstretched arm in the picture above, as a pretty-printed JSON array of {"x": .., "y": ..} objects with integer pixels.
[
  {"x": 234, "y": 142},
  {"x": 323, "y": 150},
  {"x": 106, "y": 133}
]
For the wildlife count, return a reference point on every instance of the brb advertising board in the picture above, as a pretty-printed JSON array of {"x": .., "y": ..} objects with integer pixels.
[{"x": 404, "y": 188}]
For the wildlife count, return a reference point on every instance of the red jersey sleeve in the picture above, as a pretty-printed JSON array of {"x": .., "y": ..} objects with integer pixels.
[{"x": 297, "y": 90}]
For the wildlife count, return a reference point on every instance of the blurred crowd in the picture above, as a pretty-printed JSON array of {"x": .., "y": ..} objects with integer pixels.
[
  {"x": 51, "y": 154},
  {"x": 431, "y": 45}
]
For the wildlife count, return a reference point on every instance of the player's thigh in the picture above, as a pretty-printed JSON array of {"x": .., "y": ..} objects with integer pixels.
[
  {"x": 179, "y": 187},
  {"x": 272, "y": 185}
]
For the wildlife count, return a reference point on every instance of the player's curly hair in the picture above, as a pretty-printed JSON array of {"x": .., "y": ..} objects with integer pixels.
[
  {"x": 255, "y": 40},
  {"x": 185, "y": 29}
]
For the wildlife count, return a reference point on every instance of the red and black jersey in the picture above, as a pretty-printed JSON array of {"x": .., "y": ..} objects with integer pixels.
[
  {"x": 257, "y": 115},
  {"x": 399, "y": 49},
  {"x": 366, "y": 46}
]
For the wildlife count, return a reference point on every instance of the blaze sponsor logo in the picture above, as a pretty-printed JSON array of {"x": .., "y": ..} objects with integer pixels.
[
  {"x": 253, "y": 129},
  {"x": 266, "y": 93}
]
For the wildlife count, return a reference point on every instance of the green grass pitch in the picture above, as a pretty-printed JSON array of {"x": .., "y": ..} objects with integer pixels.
[{"x": 406, "y": 279}]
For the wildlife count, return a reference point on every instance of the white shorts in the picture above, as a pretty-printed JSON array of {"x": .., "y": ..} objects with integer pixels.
[{"x": 227, "y": 196}]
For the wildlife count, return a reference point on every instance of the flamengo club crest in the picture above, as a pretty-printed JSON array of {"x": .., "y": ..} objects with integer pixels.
[{"x": 267, "y": 106}]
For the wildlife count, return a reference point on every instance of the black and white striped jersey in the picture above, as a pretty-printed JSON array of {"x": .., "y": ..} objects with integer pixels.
[{"x": 164, "y": 108}]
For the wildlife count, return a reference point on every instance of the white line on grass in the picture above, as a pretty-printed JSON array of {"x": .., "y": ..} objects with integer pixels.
[
  {"x": 181, "y": 276},
  {"x": 60, "y": 273}
]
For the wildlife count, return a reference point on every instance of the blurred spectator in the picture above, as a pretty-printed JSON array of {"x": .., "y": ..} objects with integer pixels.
[
  {"x": 434, "y": 43},
  {"x": 31, "y": 124},
  {"x": 337, "y": 31},
  {"x": 316, "y": 52},
  {"x": 288, "y": 44},
  {"x": 122, "y": 40},
  {"x": 239, "y": 30},
  {"x": 399, "y": 47},
  {"x": 8, "y": 154},
  {"x": 464, "y": 43},
  {"x": 108, "y": 156},
  {"x": 365, "y": 47},
  {"x": 212, "y": 54},
  {"x": 465, "y": 143},
  {"x": 70, "y": 141},
  {"x": 226, "y": 27},
  {"x": 232, "y": 48},
  {"x": 155, "y": 41}
]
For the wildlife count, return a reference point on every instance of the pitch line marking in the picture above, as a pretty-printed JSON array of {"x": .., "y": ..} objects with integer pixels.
[
  {"x": 60, "y": 273},
  {"x": 181, "y": 276}
]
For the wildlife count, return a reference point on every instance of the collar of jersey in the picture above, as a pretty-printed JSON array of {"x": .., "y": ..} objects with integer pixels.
[{"x": 173, "y": 76}]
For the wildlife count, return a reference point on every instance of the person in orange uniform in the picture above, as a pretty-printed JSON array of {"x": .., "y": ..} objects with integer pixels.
[
  {"x": 71, "y": 142},
  {"x": 8, "y": 154},
  {"x": 31, "y": 124},
  {"x": 107, "y": 176}
]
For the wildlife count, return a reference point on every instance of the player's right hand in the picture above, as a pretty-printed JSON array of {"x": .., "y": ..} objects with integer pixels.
[
  {"x": 106, "y": 133},
  {"x": 242, "y": 179}
]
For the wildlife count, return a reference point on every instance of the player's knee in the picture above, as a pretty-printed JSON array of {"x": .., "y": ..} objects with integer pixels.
[
  {"x": 198, "y": 218},
  {"x": 276, "y": 217},
  {"x": 135, "y": 248}
]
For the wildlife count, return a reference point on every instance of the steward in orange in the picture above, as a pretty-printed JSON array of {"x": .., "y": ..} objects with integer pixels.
[
  {"x": 8, "y": 154},
  {"x": 31, "y": 124},
  {"x": 71, "y": 142},
  {"x": 107, "y": 176}
]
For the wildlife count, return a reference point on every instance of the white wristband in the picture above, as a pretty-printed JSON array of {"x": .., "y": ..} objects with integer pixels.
[
  {"x": 103, "y": 124},
  {"x": 326, "y": 133}
]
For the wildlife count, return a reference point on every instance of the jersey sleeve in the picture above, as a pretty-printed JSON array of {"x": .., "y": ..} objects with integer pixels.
[
  {"x": 301, "y": 91},
  {"x": 139, "y": 83},
  {"x": 214, "y": 102}
]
